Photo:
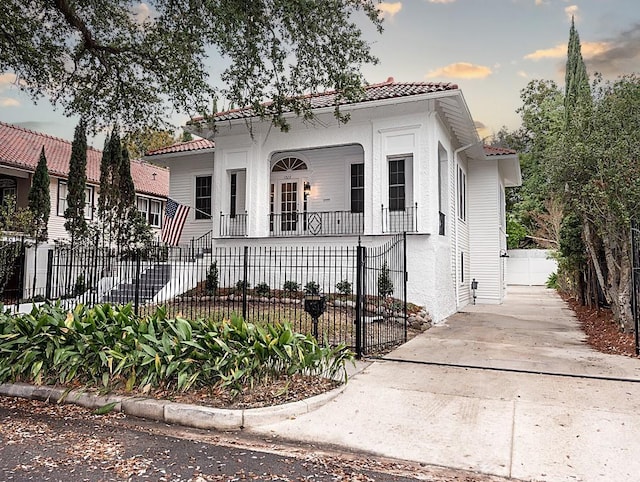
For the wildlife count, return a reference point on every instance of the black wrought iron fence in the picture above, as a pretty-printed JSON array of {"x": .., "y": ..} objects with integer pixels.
[
  {"x": 12, "y": 273},
  {"x": 400, "y": 220},
  {"x": 316, "y": 223},
  {"x": 362, "y": 288}
]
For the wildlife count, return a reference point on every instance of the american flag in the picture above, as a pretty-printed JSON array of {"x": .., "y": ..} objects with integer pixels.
[{"x": 175, "y": 215}]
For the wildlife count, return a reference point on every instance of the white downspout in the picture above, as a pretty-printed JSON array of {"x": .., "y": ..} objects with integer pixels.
[{"x": 455, "y": 220}]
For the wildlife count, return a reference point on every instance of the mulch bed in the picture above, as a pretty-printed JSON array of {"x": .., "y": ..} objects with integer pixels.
[{"x": 603, "y": 333}]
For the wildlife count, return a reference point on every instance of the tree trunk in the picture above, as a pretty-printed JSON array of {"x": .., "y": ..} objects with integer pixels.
[{"x": 590, "y": 241}]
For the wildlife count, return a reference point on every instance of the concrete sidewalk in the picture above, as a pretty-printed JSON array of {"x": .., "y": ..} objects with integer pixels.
[{"x": 432, "y": 400}]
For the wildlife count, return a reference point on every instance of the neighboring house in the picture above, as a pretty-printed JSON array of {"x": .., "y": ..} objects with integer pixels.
[
  {"x": 19, "y": 154},
  {"x": 409, "y": 160}
]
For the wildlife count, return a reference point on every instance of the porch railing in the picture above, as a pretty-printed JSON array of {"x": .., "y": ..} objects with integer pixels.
[
  {"x": 400, "y": 221},
  {"x": 317, "y": 223},
  {"x": 233, "y": 226}
]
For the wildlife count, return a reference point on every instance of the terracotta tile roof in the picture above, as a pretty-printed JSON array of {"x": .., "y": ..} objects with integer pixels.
[
  {"x": 498, "y": 151},
  {"x": 194, "y": 145},
  {"x": 21, "y": 147},
  {"x": 384, "y": 90}
]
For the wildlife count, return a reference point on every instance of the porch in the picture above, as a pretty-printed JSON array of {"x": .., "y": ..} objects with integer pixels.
[{"x": 318, "y": 192}]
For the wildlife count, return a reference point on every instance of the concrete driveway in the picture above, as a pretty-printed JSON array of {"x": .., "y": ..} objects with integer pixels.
[{"x": 508, "y": 390}]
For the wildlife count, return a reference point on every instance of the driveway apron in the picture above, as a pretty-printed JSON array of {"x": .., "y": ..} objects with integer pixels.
[{"x": 510, "y": 390}]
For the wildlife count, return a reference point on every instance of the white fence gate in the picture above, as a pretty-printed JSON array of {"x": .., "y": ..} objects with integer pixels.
[{"x": 530, "y": 267}]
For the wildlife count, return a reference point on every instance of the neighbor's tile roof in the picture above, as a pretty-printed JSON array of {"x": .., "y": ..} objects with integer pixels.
[
  {"x": 193, "y": 145},
  {"x": 21, "y": 148},
  {"x": 384, "y": 90},
  {"x": 498, "y": 151}
]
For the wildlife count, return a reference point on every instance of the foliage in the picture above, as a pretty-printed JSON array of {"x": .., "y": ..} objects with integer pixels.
[
  {"x": 121, "y": 61},
  {"x": 242, "y": 286},
  {"x": 75, "y": 222},
  {"x": 262, "y": 289},
  {"x": 80, "y": 286},
  {"x": 385, "y": 285},
  {"x": 312, "y": 288},
  {"x": 516, "y": 232},
  {"x": 140, "y": 141},
  {"x": 552, "y": 281},
  {"x": 211, "y": 283},
  {"x": 10, "y": 252},
  {"x": 15, "y": 219},
  {"x": 108, "y": 346},
  {"x": 108, "y": 182},
  {"x": 291, "y": 286},
  {"x": 40, "y": 198},
  {"x": 344, "y": 287}
]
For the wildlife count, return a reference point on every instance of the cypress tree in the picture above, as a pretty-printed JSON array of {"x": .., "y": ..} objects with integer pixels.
[
  {"x": 105, "y": 179},
  {"x": 127, "y": 191},
  {"x": 577, "y": 91},
  {"x": 40, "y": 198},
  {"x": 76, "y": 224}
]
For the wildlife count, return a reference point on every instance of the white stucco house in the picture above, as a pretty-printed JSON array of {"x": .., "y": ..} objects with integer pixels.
[{"x": 409, "y": 160}]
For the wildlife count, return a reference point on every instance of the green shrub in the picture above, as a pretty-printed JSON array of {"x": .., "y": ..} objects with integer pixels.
[
  {"x": 291, "y": 286},
  {"x": 385, "y": 285},
  {"x": 344, "y": 287},
  {"x": 552, "y": 281},
  {"x": 109, "y": 346},
  {"x": 242, "y": 285},
  {"x": 262, "y": 289},
  {"x": 211, "y": 284},
  {"x": 80, "y": 286},
  {"x": 312, "y": 288}
]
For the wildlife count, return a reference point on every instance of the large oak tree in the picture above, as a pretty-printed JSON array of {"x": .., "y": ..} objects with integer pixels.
[{"x": 129, "y": 62}]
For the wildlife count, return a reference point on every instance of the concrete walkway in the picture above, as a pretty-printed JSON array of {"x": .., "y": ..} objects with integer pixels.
[{"x": 509, "y": 390}]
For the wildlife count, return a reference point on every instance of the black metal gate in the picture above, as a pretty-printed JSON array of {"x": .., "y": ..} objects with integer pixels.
[
  {"x": 381, "y": 296},
  {"x": 635, "y": 281}
]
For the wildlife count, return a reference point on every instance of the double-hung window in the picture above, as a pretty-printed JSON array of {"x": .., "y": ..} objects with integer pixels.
[
  {"x": 150, "y": 210},
  {"x": 203, "y": 197},
  {"x": 63, "y": 191},
  {"x": 397, "y": 184},
  {"x": 462, "y": 194},
  {"x": 357, "y": 188}
]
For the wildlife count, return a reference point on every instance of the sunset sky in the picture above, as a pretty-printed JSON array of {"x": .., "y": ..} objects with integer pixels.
[{"x": 490, "y": 48}]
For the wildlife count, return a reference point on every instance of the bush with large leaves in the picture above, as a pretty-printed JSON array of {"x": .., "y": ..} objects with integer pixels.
[{"x": 108, "y": 346}]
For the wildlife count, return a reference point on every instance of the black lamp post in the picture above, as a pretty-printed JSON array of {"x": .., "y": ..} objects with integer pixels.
[
  {"x": 315, "y": 305},
  {"x": 474, "y": 287}
]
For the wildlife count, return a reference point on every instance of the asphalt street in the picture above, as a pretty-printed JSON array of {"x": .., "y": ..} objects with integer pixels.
[{"x": 48, "y": 442}]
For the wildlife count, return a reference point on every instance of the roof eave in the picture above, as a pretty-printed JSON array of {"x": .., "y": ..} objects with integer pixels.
[{"x": 210, "y": 133}]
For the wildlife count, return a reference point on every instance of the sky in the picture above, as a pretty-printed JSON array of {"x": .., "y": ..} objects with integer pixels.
[{"x": 490, "y": 48}]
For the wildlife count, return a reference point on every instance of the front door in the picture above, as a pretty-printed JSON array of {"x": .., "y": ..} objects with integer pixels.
[{"x": 288, "y": 205}]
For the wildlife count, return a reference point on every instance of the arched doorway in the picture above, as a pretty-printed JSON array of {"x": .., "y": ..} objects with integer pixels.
[{"x": 287, "y": 197}]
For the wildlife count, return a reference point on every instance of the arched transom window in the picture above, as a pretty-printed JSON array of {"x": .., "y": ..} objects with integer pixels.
[{"x": 289, "y": 164}]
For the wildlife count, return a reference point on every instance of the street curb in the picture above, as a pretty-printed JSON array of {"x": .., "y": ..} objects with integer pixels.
[{"x": 195, "y": 416}]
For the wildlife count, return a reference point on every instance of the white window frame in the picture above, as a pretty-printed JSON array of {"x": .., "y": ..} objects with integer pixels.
[
  {"x": 145, "y": 206},
  {"x": 462, "y": 194},
  {"x": 62, "y": 200}
]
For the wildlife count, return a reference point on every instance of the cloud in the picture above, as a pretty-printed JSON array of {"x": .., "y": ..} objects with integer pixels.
[
  {"x": 482, "y": 129},
  {"x": 8, "y": 102},
  {"x": 388, "y": 9},
  {"x": 621, "y": 55},
  {"x": 461, "y": 70},
  {"x": 589, "y": 49},
  {"x": 541, "y": 2},
  {"x": 441, "y": 1},
  {"x": 522, "y": 73},
  {"x": 141, "y": 13},
  {"x": 572, "y": 11},
  {"x": 6, "y": 80}
]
